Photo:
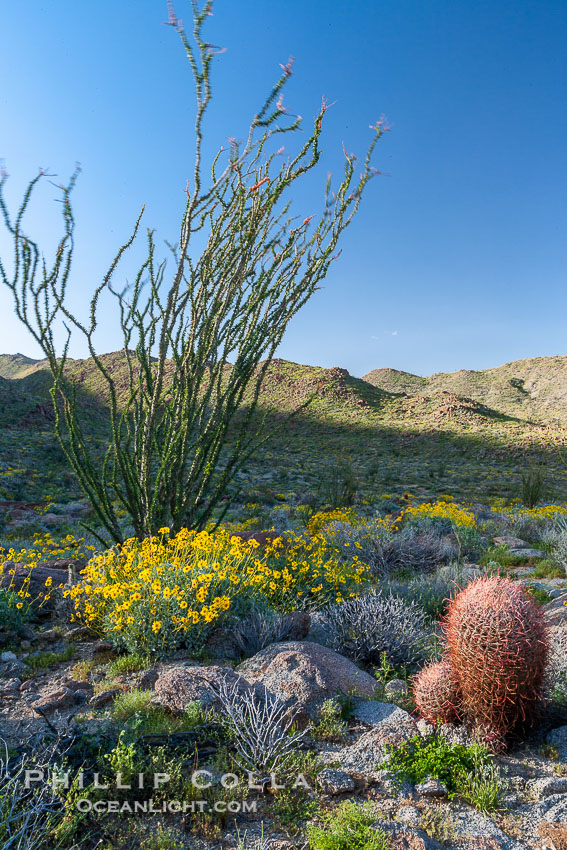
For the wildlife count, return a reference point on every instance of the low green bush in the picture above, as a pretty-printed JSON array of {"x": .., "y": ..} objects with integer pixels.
[
  {"x": 467, "y": 772},
  {"x": 349, "y": 827},
  {"x": 42, "y": 660},
  {"x": 329, "y": 725},
  {"x": 136, "y": 709},
  {"x": 419, "y": 758},
  {"x": 14, "y": 611}
]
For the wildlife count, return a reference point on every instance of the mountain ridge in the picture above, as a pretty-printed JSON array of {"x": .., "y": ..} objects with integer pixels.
[{"x": 532, "y": 390}]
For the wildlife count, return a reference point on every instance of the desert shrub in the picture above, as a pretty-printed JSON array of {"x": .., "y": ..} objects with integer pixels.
[
  {"x": 408, "y": 552},
  {"x": 324, "y": 522},
  {"x": 430, "y": 592},
  {"x": 135, "y": 711},
  {"x": 338, "y": 486},
  {"x": 529, "y": 523},
  {"x": 369, "y": 626},
  {"x": 554, "y": 539},
  {"x": 466, "y": 771},
  {"x": 548, "y": 568},
  {"x": 42, "y": 660},
  {"x": 128, "y": 664},
  {"x": 500, "y": 556},
  {"x": 348, "y": 827},
  {"x": 306, "y": 571},
  {"x": 14, "y": 610},
  {"x": 533, "y": 484},
  {"x": 417, "y": 759},
  {"x": 260, "y": 628},
  {"x": 423, "y": 524},
  {"x": 198, "y": 333},
  {"x": 262, "y": 732},
  {"x": 386, "y": 551},
  {"x": 27, "y": 815},
  {"x": 329, "y": 725},
  {"x": 456, "y": 515},
  {"x": 153, "y": 596},
  {"x": 483, "y": 786}
]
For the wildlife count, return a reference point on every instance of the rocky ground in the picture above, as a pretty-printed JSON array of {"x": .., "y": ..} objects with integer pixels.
[{"x": 56, "y": 680}]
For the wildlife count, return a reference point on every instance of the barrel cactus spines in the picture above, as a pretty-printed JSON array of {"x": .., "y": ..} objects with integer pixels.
[
  {"x": 497, "y": 648},
  {"x": 436, "y": 693}
]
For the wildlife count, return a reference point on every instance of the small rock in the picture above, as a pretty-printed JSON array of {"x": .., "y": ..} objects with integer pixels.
[
  {"x": 391, "y": 726},
  {"x": 26, "y": 633},
  {"x": 28, "y": 685},
  {"x": 551, "y": 591},
  {"x": 335, "y": 782},
  {"x": 179, "y": 686},
  {"x": 409, "y": 815},
  {"x": 547, "y": 785},
  {"x": 432, "y": 788},
  {"x": 527, "y": 553},
  {"x": 454, "y": 734},
  {"x": 12, "y": 669},
  {"x": 73, "y": 685},
  {"x": 102, "y": 646},
  {"x": 395, "y": 689},
  {"x": 510, "y": 542},
  {"x": 8, "y": 656},
  {"x": 424, "y": 727},
  {"x": 104, "y": 697},
  {"x": 77, "y": 633},
  {"x": 61, "y": 698},
  {"x": 373, "y": 712},
  {"x": 476, "y": 830},
  {"x": 405, "y": 837},
  {"x": 51, "y": 635},
  {"x": 10, "y": 687},
  {"x": 554, "y": 835},
  {"x": 146, "y": 679},
  {"x": 25, "y": 644},
  {"x": 82, "y": 695},
  {"x": 556, "y": 611},
  {"x": 558, "y": 739}
]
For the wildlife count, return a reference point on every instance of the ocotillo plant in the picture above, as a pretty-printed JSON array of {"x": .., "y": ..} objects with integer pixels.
[{"x": 197, "y": 339}]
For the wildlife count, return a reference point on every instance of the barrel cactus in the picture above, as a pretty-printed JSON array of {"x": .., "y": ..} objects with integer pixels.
[
  {"x": 436, "y": 693},
  {"x": 497, "y": 648}
]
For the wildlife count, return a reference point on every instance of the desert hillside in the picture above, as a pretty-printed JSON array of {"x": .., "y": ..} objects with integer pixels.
[{"x": 533, "y": 389}]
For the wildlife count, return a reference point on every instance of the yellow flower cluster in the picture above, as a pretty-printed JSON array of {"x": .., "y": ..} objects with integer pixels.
[
  {"x": 44, "y": 548},
  {"x": 542, "y": 513},
  {"x": 322, "y": 519},
  {"x": 153, "y": 595},
  {"x": 457, "y": 514}
]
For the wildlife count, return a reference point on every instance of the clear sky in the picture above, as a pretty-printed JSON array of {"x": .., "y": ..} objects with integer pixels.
[{"x": 458, "y": 256}]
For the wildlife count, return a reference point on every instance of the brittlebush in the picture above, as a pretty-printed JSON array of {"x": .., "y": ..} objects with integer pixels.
[{"x": 164, "y": 592}]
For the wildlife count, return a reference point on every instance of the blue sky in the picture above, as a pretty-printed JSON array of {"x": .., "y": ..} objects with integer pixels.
[{"x": 457, "y": 258}]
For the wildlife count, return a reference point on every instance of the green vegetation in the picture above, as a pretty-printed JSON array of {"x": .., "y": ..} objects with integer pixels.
[
  {"x": 349, "y": 827},
  {"x": 467, "y": 772},
  {"x": 42, "y": 660},
  {"x": 14, "y": 612},
  {"x": 128, "y": 664},
  {"x": 148, "y": 719},
  {"x": 329, "y": 725},
  {"x": 533, "y": 484}
]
